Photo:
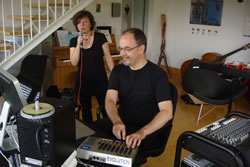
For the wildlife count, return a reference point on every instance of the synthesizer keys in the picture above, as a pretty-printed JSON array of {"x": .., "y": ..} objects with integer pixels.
[{"x": 106, "y": 151}]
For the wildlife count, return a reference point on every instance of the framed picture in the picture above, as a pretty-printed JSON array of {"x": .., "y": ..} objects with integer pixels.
[
  {"x": 207, "y": 12},
  {"x": 106, "y": 30},
  {"x": 60, "y": 37},
  {"x": 107, "y": 35},
  {"x": 98, "y": 8},
  {"x": 109, "y": 28},
  {"x": 116, "y": 9}
]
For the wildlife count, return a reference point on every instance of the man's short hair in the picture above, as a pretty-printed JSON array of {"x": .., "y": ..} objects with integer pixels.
[
  {"x": 81, "y": 14},
  {"x": 139, "y": 36}
]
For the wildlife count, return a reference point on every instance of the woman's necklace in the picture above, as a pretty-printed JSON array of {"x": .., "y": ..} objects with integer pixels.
[{"x": 88, "y": 41}]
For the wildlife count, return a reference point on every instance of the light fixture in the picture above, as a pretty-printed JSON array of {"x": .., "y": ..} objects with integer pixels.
[{"x": 126, "y": 9}]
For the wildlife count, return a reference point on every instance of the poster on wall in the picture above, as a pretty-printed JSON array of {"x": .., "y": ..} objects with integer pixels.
[
  {"x": 206, "y": 12},
  {"x": 98, "y": 8}
]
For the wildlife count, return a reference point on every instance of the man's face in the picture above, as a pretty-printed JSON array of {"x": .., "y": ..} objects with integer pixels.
[
  {"x": 84, "y": 24},
  {"x": 129, "y": 49}
]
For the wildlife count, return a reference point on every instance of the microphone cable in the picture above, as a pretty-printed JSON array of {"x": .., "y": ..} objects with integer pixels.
[{"x": 80, "y": 81}]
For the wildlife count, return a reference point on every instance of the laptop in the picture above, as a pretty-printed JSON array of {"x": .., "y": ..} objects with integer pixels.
[{"x": 82, "y": 130}]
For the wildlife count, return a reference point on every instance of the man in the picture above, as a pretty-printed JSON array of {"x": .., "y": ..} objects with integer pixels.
[{"x": 142, "y": 89}]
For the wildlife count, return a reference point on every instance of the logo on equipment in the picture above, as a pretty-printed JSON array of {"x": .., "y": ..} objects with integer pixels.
[{"x": 118, "y": 161}]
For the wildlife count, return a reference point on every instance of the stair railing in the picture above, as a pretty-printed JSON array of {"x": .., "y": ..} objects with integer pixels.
[{"x": 34, "y": 29}]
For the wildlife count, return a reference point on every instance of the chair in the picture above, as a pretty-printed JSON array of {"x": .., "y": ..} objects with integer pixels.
[
  {"x": 99, "y": 110},
  {"x": 167, "y": 128},
  {"x": 163, "y": 136},
  {"x": 31, "y": 75},
  {"x": 209, "y": 88}
]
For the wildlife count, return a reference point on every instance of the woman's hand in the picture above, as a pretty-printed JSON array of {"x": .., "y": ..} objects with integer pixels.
[{"x": 79, "y": 40}]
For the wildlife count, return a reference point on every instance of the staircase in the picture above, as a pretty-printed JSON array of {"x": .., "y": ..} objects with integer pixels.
[{"x": 24, "y": 24}]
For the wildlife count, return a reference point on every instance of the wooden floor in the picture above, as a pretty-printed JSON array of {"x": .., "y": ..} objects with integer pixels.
[{"x": 185, "y": 120}]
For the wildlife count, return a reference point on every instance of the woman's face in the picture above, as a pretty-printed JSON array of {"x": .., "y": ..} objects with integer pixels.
[{"x": 84, "y": 25}]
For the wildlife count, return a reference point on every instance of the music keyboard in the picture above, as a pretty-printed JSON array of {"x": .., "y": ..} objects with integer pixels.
[{"x": 106, "y": 151}]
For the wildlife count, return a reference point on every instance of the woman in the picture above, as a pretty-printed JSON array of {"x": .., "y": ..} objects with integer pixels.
[{"x": 86, "y": 52}]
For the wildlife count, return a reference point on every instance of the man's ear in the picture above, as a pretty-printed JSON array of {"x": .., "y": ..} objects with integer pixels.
[{"x": 142, "y": 48}]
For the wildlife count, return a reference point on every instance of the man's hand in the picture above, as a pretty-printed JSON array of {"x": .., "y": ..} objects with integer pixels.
[
  {"x": 134, "y": 140},
  {"x": 119, "y": 130}
]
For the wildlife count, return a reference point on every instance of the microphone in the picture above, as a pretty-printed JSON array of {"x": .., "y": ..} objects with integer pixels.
[{"x": 81, "y": 34}]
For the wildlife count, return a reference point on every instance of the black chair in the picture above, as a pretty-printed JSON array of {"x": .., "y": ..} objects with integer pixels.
[
  {"x": 209, "y": 88},
  {"x": 163, "y": 136},
  {"x": 99, "y": 110},
  {"x": 167, "y": 128},
  {"x": 31, "y": 75}
]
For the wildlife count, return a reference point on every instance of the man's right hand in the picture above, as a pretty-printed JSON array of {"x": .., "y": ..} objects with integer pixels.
[{"x": 119, "y": 130}]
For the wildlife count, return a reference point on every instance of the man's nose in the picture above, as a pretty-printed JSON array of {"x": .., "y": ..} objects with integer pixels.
[{"x": 122, "y": 52}]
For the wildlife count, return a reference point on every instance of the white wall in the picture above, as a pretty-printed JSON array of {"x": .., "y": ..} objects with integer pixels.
[
  {"x": 103, "y": 18},
  {"x": 138, "y": 14},
  {"x": 181, "y": 45},
  {"x": 126, "y": 18}
]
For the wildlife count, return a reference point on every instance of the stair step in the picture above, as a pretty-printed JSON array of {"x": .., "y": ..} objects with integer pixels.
[
  {"x": 44, "y": 5},
  {"x": 27, "y": 18},
  {"x": 9, "y": 47},
  {"x": 18, "y": 31}
]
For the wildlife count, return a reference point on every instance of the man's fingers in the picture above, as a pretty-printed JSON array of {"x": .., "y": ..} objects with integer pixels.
[
  {"x": 123, "y": 131},
  {"x": 133, "y": 141},
  {"x": 119, "y": 132},
  {"x": 128, "y": 141}
]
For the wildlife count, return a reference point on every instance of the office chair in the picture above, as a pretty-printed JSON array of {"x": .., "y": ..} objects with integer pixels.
[
  {"x": 167, "y": 128},
  {"x": 99, "y": 110},
  {"x": 163, "y": 136},
  {"x": 31, "y": 76},
  {"x": 207, "y": 87}
]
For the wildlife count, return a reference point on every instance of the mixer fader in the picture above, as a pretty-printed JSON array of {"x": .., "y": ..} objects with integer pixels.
[{"x": 231, "y": 131}]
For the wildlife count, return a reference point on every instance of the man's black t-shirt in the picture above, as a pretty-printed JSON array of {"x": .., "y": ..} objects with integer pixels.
[
  {"x": 140, "y": 91},
  {"x": 93, "y": 75}
]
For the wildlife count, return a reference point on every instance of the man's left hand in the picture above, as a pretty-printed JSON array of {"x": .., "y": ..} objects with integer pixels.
[{"x": 134, "y": 140}]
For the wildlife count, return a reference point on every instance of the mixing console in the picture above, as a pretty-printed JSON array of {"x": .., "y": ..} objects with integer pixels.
[{"x": 231, "y": 131}]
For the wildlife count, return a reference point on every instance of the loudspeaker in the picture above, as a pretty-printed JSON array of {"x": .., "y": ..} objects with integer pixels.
[{"x": 47, "y": 138}]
